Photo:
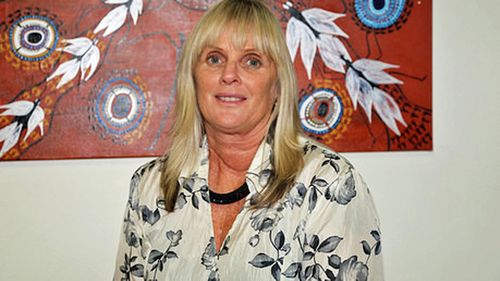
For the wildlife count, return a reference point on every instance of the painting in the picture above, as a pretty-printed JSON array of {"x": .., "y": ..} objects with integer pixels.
[{"x": 95, "y": 78}]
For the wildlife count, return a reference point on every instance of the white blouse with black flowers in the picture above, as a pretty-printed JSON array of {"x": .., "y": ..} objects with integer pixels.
[{"x": 325, "y": 228}]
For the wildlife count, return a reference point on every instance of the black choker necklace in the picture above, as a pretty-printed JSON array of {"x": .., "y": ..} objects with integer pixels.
[{"x": 231, "y": 197}]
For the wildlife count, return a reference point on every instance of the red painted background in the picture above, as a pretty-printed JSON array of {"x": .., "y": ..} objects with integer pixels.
[{"x": 145, "y": 54}]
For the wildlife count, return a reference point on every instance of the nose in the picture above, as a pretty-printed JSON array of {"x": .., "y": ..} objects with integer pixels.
[{"x": 229, "y": 74}]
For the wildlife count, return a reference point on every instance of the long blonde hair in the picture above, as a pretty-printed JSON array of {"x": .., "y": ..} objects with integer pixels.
[{"x": 245, "y": 18}]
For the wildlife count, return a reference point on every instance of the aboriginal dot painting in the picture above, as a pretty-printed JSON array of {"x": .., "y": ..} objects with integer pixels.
[{"x": 95, "y": 78}]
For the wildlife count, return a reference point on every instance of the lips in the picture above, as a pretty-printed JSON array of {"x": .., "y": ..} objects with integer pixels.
[{"x": 230, "y": 98}]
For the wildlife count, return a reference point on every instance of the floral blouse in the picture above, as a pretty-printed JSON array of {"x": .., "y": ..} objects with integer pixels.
[{"x": 325, "y": 228}]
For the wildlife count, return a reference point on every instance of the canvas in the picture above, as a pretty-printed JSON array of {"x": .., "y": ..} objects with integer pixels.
[{"x": 91, "y": 79}]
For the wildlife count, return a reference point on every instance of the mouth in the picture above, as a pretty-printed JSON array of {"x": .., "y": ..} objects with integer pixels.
[{"x": 230, "y": 98}]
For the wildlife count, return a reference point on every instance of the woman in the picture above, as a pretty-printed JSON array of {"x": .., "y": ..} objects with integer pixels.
[{"x": 241, "y": 194}]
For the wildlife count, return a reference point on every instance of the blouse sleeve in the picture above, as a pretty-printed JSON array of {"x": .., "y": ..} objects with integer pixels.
[
  {"x": 344, "y": 227},
  {"x": 131, "y": 260}
]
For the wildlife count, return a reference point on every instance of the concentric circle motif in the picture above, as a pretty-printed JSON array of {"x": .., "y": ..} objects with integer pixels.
[
  {"x": 120, "y": 106},
  {"x": 379, "y": 14},
  {"x": 321, "y": 111},
  {"x": 201, "y": 5},
  {"x": 33, "y": 38}
]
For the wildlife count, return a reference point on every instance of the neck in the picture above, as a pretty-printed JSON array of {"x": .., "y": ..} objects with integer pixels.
[
  {"x": 236, "y": 151},
  {"x": 230, "y": 156}
]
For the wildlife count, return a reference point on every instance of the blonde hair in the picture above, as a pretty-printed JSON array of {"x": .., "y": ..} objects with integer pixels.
[{"x": 245, "y": 18}]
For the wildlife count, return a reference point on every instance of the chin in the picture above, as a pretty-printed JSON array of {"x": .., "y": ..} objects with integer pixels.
[
  {"x": 229, "y": 128},
  {"x": 234, "y": 119},
  {"x": 233, "y": 123}
]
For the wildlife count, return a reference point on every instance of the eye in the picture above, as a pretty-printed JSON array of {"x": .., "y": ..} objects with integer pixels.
[
  {"x": 253, "y": 61},
  {"x": 214, "y": 59}
]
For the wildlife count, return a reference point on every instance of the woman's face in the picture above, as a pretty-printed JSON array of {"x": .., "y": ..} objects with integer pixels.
[{"x": 236, "y": 88}]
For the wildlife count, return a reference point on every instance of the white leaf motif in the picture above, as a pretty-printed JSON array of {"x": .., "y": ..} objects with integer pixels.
[
  {"x": 322, "y": 15},
  {"x": 68, "y": 69},
  {"x": 86, "y": 58},
  {"x": 314, "y": 28},
  {"x": 292, "y": 37},
  {"x": 352, "y": 85},
  {"x": 373, "y": 70},
  {"x": 112, "y": 21},
  {"x": 9, "y": 135},
  {"x": 362, "y": 79},
  {"x": 116, "y": 1},
  {"x": 331, "y": 50},
  {"x": 89, "y": 62},
  {"x": 387, "y": 109},
  {"x": 365, "y": 97},
  {"x": 307, "y": 48},
  {"x": 322, "y": 21},
  {"x": 35, "y": 120},
  {"x": 17, "y": 108},
  {"x": 135, "y": 10},
  {"x": 77, "y": 46}
]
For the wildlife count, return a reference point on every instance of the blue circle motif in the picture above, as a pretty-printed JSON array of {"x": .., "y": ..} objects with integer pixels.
[
  {"x": 120, "y": 106},
  {"x": 321, "y": 111},
  {"x": 379, "y": 14},
  {"x": 34, "y": 30},
  {"x": 29, "y": 25}
]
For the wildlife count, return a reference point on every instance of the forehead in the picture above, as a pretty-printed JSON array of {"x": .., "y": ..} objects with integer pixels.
[
  {"x": 237, "y": 37},
  {"x": 226, "y": 43}
]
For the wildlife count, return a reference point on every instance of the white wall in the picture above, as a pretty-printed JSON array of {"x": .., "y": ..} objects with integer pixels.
[{"x": 60, "y": 220}]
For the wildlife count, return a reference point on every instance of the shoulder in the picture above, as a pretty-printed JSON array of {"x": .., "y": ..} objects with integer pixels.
[
  {"x": 320, "y": 160},
  {"x": 145, "y": 181},
  {"x": 328, "y": 178},
  {"x": 147, "y": 170},
  {"x": 333, "y": 192},
  {"x": 150, "y": 166}
]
